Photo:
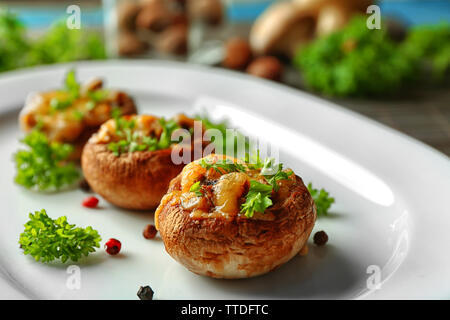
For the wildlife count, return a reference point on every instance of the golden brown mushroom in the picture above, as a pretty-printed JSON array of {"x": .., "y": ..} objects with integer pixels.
[{"x": 207, "y": 233}]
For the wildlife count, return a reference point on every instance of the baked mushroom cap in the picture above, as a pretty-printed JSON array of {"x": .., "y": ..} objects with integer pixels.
[
  {"x": 76, "y": 122},
  {"x": 210, "y": 236},
  {"x": 132, "y": 180}
]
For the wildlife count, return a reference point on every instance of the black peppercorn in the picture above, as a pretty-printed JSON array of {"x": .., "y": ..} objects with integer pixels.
[
  {"x": 84, "y": 185},
  {"x": 320, "y": 238},
  {"x": 149, "y": 231},
  {"x": 145, "y": 293}
]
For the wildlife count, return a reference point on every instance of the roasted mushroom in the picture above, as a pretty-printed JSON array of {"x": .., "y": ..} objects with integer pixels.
[
  {"x": 73, "y": 114},
  {"x": 130, "y": 160},
  {"x": 210, "y": 219}
]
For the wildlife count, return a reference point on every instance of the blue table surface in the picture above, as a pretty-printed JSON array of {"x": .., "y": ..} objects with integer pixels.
[{"x": 413, "y": 12}]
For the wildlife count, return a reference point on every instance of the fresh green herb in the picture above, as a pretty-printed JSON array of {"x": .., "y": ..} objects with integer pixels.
[
  {"x": 131, "y": 141},
  {"x": 168, "y": 128},
  {"x": 43, "y": 166},
  {"x": 78, "y": 115},
  {"x": 254, "y": 162},
  {"x": 46, "y": 239},
  {"x": 431, "y": 44},
  {"x": 223, "y": 165},
  {"x": 13, "y": 42},
  {"x": 71, "y": 84},
  {"x": 322, "y": 200},
  {"x": 356, "y": 61},
  {"x": 273, "y": 179},
  {"x": 57, "y": 104},
  {"x": 196, "y": 189},
  {"x": 58, "y": 44},
  {"x": 257, "y": 199},
  {"x": 72, "y": 88},
  {"x": 232, "y": 139}
]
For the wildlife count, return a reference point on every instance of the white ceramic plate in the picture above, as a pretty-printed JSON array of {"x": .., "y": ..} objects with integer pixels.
[{"x": 392, "y": 196}]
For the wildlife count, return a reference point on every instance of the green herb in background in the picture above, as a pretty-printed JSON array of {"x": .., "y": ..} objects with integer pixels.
[
  {"x": 356, "y": 61},
  {"x": 58, "y": 44},
  {"x": 322, "y": 200},
  {"x": 46, "y": 239},
  {"x": 44, "y": 165},
  {"x": 13, "y": 42},
  {"x": 431, "y": 44}
]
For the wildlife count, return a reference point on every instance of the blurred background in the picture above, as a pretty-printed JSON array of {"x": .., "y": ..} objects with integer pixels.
[{"x": 397, "y": 75}]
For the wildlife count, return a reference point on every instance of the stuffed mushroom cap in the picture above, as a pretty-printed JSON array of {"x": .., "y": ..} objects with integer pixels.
[
  {"x": 68, "y": 119},
  {"x": 203, "y": 225},
  {"x": 130, "y": 166}
]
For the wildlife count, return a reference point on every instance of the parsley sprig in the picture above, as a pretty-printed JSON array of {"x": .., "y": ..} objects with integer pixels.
[
  {"x": 257, "y": 199},
  {"x": 46, "y": 239},
  {"x": 322, "y": 199},
  {"x": 43, "y": 165}
]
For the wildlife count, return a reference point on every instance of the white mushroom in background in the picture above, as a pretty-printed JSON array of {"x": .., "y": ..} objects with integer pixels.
[{"x": 286, "y": 26}]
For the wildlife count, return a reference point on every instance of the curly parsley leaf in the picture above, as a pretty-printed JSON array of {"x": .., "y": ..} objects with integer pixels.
[
  {"x": 356, "y": 61},
  {"x": 257, "y": 199},
  {"x": 322, "y": 199},
  {"x": 46, "y": 239},
  {"x": 196, "y": 189},
  {"x": 43, "y": 165}
]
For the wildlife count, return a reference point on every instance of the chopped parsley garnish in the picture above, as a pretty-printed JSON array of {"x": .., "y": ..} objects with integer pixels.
[
  {"x": 257, "y": 199},
  {"x": 132, "y": 141},
  {"x": 46, "y": 239},
  {"x": 44, "y": 165},
  {"x": 223, "y": 165},
  {"x": 72, "y": 88},
  {"x": 196, "y": 189},
  {"x": 322, "y": 200}
]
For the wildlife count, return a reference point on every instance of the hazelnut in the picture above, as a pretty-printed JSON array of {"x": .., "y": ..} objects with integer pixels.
[
  {"x": 237, "y": 54},
  {"x": 209, "y": 11},
  {"x": 154, "y": 16},
  {"x": 130, "y": 44},
  {"x": 267, "y": 67},
  {"x": 149, "y": 232},
  {"x": 173, "y": 40},
  {"x": 127, "y": 12},
  {"x": 320, "y": 238}
]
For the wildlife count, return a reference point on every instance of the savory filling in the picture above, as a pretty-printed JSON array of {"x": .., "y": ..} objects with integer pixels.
[
  {"x": 222, "y": 187},
  {"x": 139, "y": 133},
  {"x": 63, "y": 114}
]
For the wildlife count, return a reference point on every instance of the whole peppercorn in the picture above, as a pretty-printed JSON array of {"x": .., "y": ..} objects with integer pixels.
[
  {"x": 267, "y": 67},
  {"x": 145, "y": 293},
  {"x": 237, "y": 54},
  {"x": 320, "y": 238},
  {"x": 113, "y": 246},
  {"x": 84, "y": 185},
  {"x": 149, "y": 231}
]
